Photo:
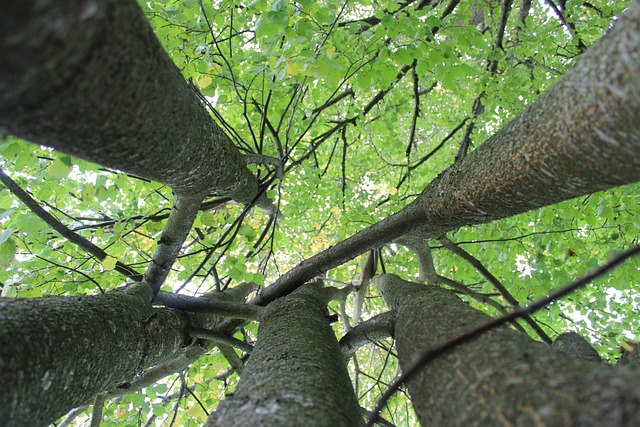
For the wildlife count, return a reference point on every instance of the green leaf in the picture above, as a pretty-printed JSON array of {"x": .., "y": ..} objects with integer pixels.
[
  {"x": 7, "y": 251},
  {"x": 109, "y": 263},
  {"x": 59, "y": 168},
  {"x": 5, "y": 234},
  {"x": 271, "y": 23},
  {"x": 9, "y": 291}
]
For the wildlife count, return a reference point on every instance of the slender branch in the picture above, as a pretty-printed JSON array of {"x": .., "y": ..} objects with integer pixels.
[
  {"x": 62, "y": 229},
  {"x": 362, "y": 286},
  {"x": 153, "y": 375},
  {"x": 317, "y": 141},
  {"x": 525, "y": 6},
  {"x": 98, "y": 405},
  {"x": 235, "y": 362},
  {"x": 75, "y": 270},
  {"x": 434, "y": 352},
  {"x": 254, "y": 158},
  {"x": 380, "y": 421},
  {"x": 477, "y": 264},
  {"x": 428, "y": 273},
  {"x": 492, "y": 67},
  {"x": 502, "y": 25},
  {"x": 427, "y": 156},
  {"x": 484, "y": 299},
  {"x": 372, "y": 330},
  {"x": 183, "y": 213},
  {"x": 334, "y": 100},
  {"x": 416, "y": 110},
  {"x": 220, "y": 338},
  {"x": 367, "y": 23},
  {"x": 209, "y": 305},
  {"x": 71, "y": 416},
  {"x": 379, "y": 233}
]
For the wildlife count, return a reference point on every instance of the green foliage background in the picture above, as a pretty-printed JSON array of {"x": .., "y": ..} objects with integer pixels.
[{"x": 331, "y": 87}]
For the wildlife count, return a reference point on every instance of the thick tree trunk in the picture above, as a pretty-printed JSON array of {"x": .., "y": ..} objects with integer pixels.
[
  {"x": 502, "y": 377},
  {"x": 57, "y": 353},
  {"x": 90, "y": 79},
  {"x": 296, "y": 374}
]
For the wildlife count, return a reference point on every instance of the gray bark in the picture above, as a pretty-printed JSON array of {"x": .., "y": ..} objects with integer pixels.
[
  {"x": 375, "y": 329},
  {"x": 183, "y": 212},
  {"x": 57, "y": 353},
  {"x": 296, "y": 374},
  {"x": 90, "y": 79},
  {"x": 576, "y": 346},
  {"x": 501, "y": 377}
]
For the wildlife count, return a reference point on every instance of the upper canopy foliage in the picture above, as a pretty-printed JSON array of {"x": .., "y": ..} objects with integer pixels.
[{"x": 359, "y": 105}]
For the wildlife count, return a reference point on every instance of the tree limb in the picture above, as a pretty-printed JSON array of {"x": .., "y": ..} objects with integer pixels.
[{"x": 63, "y": 229}]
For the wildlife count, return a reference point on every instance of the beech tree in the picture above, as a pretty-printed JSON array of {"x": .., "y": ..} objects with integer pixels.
[{"x": 216, "y": 185}]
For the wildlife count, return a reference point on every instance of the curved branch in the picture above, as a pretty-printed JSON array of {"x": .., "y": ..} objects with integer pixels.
[
  {"x": 475, "y": 262},
  {"x": 220, "y": 338},
  {"x": 209, "y": 305}
]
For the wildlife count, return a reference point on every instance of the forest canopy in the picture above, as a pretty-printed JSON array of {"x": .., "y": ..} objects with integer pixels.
[{"x": 344, "y": 111}]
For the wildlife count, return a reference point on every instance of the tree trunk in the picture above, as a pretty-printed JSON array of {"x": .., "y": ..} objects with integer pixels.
[
  {"x": 57, "y": 353},
  {"x": 501, "y": 377},
  {"x": 296, "y": 374},
  {"x": 90, "y": 79}
]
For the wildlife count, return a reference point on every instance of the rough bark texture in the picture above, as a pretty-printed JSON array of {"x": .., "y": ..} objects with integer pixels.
[
  {"x": 89, "y": 78},
  {"x": 57, "y": 353},
  {"x": 576, "y": 346},
  {"x": 502, "y": 377},
  {"x": 581, "y": 136},
  {"x": 296, "y": 374}
]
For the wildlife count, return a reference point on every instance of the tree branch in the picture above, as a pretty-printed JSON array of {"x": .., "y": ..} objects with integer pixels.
[
  {"x": 434, "y": 352},
  {"x": 209, "y": 305},
  {"x": 183, "y": 213},
  {"x": 475, "y": 262},
  {"x": 369, "y": 331},
  {"x": 220, "y": 339},
  {"x": 62, "y": 229}
]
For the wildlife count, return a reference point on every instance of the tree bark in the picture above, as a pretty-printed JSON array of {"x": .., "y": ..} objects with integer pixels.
[
  {"x": 502, "y": 377},
  {"x": 296, "y": 374},
  {"x": 57, "y": 353},
  {"x": 579, "y": 137},
  {"x": 90, "y": 79}
]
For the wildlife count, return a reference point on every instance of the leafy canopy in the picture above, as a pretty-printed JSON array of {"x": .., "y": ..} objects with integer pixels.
[{"x": 364, "y": 102}]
